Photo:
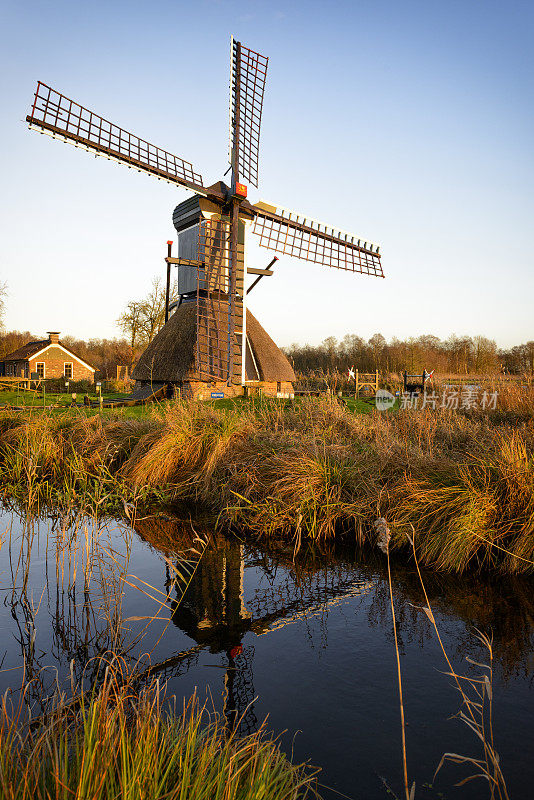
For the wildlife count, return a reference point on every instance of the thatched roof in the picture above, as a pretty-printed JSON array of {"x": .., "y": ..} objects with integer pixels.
[
  {"x": 271, "y": 362},
  {"x": 171, "y": 354}
]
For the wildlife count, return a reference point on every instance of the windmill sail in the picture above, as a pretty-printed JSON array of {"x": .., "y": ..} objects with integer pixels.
[
  {"x": 56, "y": 114},
  {"x": 286, "y": 232},
  {"x": 247, "y": 85},
  {"x": 219, "y": 309},
  {"x": 211, "y": 227}
]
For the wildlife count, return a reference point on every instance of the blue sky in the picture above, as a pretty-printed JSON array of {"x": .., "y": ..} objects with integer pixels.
[{"x": 409, "y": 124}]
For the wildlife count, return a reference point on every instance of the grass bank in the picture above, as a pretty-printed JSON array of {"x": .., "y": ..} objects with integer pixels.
[
  {"x": 121, "y": 744},
  {"x": 464, "y": 482}
]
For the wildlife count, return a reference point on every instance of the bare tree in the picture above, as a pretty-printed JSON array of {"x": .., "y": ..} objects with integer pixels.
[
  {"x": 485, "y": 355},
  {"x": 377, "y": 344},
  {"x": 141, "y": 320},
  {"x": 154, "y": 310},
  {"x": 3, "y": 298},
  {"x": 131, "y": 322}
]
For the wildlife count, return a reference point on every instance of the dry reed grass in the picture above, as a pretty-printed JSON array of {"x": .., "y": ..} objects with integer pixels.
[
  {"x": 113, "y": 735},
  {"x": 477, "y": 706},
  {"x": 313, "y": 469},
  {"x": 476, "y": 711},
  {"x": 122, "y": 743}
]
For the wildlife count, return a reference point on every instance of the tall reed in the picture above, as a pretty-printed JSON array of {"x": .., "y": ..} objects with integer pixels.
[
  {"x": 476, "y": 693},
  {"x": 312, "y": 469},
  {"x": 122, "y": 743}
]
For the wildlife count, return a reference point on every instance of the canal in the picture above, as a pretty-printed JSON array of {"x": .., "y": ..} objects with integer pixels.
[{"x": 303, "y": 639}]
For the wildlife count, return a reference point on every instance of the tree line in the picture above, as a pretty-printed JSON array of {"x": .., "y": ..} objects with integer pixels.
[
  {"x": 141, "y": 320},
  {"x": 455, "y": 355}
]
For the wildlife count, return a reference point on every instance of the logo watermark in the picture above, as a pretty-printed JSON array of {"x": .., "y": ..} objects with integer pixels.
[
  {"x": 470, "y": 398},
  {"x": 384, "y": 400}
]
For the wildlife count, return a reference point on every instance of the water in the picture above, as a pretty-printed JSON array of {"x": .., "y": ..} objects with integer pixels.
[{"x": 307, "y": 642}]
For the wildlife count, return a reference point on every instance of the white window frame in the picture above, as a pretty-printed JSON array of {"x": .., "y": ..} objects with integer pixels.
[
  {"x": 71, "y": 365},
  {"x": 43, "y": 376}
]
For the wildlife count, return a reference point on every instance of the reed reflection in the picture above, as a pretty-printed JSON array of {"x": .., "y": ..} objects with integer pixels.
[
  {"x": 221, "y": 605},
  {"x": 65, "y": 588}
]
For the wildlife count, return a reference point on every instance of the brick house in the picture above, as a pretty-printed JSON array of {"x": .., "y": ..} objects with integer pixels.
[{"x": 47, "y": 358}]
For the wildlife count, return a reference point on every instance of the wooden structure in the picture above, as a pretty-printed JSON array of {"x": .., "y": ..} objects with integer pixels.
[
  {"x": 212, "y": 225},
  {"x": 365, "y": 381},
  {"x": 8, "y": 384},
  {"x": 415, "y": 384},
  {"x": 44, "y": 359}
]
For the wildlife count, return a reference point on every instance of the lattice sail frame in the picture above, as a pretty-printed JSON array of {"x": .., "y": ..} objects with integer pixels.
[
  {"x": 286, "y": 232},
  {"x": 219, "y": 311},
  {"x": 248, "y": 74},
  {"x": 61, "y": 116}
]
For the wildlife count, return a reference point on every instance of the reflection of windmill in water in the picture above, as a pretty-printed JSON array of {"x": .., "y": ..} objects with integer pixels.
[
  {"x": 212, "y": 340},
  {"x": 214, "y": 613}
]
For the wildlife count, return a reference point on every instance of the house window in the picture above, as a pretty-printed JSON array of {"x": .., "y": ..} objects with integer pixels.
[
  {"x": 10, "y": 369},
  {"x": 40, "y": 369},
  {"x": 67, "y": 370}
]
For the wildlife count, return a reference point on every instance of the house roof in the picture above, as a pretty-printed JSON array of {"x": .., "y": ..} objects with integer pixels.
[
  {"x": 171, "y": 354},
  {"x": 27, "y": 351}
]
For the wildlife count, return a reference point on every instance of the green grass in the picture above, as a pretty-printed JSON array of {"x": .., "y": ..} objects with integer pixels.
[
  {"x": 30, "y": 398},
  {"x": 121, "y": 744},
  {"x": 55, "y": 403},
  {"x": 355, "y": 405},
  {"x": 33, "y": 398},
  {"x": 62, "y": 402}
]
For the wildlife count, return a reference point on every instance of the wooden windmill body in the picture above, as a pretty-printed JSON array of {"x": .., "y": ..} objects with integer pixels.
[{"x": 211, "y": 340}]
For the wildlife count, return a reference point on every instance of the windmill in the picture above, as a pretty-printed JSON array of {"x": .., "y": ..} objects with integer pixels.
[{"x": 212, "y": 224}]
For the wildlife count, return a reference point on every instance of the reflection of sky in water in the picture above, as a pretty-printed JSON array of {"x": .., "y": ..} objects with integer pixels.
[{"x": 309, "y": 641}]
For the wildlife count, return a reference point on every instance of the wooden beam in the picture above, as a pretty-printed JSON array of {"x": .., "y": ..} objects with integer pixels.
[
  {"x": 255, "y": 271},
  {"x": 188, "y": 262},
  {"x": 127, "y": 159}
]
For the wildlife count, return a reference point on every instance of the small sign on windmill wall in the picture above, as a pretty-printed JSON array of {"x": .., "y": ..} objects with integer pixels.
[{"x": 217, "y": 395}]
